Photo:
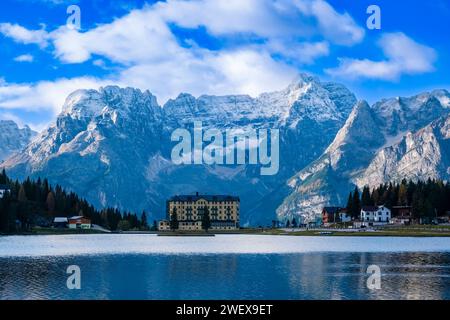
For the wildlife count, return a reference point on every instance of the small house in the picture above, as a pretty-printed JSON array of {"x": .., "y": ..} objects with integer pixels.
[
  {"x": 79, "y": 222},
  {"x": 330, "y": 215},
  {"x": 60, "y": 222},
  {"x": 402, "y": 215},
  {"x": 374, "y": 215},
  {"x": 404, "y": 220},
  {"x": 3, "y": 190},
  {"x": 444, "y": 218}
]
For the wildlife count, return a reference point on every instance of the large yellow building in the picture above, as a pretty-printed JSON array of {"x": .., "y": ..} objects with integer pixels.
[{"x": 223, "y": 212}]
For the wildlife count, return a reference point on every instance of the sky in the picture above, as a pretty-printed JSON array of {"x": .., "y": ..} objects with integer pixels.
[{"x": 215, "y": 47}]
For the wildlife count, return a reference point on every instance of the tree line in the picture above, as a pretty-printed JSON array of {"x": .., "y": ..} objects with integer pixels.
[
  {"x": 36, "y": 202},
  {"x": 427, "y": 199}
]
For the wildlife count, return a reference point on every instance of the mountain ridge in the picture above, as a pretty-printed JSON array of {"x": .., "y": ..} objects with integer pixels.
[
  {"x": 112, "y": 145},
  {"x": 369, "y": 129}
]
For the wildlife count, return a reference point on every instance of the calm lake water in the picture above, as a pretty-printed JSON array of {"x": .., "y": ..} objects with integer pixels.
[{"x": 223, "y": 267}]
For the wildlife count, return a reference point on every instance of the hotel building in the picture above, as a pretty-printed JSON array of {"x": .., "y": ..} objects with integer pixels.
[{"x": 223, "y": 212}]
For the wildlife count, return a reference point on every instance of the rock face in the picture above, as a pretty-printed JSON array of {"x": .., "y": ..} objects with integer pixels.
[
  {"x": 12, "y": 138},
  {"x": 418, "y": 156},
  {"x": 394, "y": 139},
  {"x": 113, "y": 147}
]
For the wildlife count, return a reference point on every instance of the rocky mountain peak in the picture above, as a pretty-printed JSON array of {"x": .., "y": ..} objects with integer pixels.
[{"x": 13, "y": 138}]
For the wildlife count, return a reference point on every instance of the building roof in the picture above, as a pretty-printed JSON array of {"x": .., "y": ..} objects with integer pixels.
[
  {"x": 331, "y": 210},
  {"x": 370, "y": 208},
  {"x": 60, "y": 219},
  {"x": 204, "y": 196},
  {"x": 76, "y": 217}
]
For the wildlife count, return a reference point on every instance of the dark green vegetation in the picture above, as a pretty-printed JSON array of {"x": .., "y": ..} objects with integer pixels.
[
  {"x": 36, "y": 203},
  {"x": 427, "y": 199}
]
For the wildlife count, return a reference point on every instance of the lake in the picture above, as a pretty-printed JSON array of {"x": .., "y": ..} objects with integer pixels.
[{"x": 119, "y": 266}]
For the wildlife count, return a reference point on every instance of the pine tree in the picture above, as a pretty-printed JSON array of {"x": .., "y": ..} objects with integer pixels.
[
  {"x": 402, "y": 195},
  {"x": 356, "y": 203},
  {"x": 206, "y": 220},
  {"x": 50, "y": 203},
  {"x": 144, "y": 223},
  {"x": 22, "y": 197},
  {"x": 3, "y": 177},
  {"x": 366, "y": 199},
  {"x": 294, "y": 223},
  {"x": 174, "y": 220},
  {"x": 350, "y": 205}
]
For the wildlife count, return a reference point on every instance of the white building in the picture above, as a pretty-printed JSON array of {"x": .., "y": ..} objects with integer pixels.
[
  {"x": 344, "y": 216},
  {"x": 3, "y": 189},
  {"x": 375, "y": 215}
]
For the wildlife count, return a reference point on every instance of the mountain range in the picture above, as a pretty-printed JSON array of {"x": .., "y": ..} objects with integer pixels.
[
  {"x": 112, "y": 146},
  {"x": 388, "y": 141},
  {"x": 12, "y": 138}
]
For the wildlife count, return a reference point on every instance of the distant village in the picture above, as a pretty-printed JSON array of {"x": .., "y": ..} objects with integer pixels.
[{"x": 404, "y": 204}]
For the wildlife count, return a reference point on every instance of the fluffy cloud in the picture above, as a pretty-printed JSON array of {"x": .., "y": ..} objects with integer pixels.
[
  {"x": 144, "y": 35},
  {"x": 23, "y": 35},
  {"x": 338, "y": 28},
  {"x": 24, "y": 58},
  {"x": 403, "y": 56},
  {"x": 44, "y": 95},
  {"x": 265, "y": 18},
  {"x": 147, "y": 54}
]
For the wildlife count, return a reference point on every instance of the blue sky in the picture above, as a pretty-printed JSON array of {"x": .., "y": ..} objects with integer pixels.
[{"x": 215, "y": 47}]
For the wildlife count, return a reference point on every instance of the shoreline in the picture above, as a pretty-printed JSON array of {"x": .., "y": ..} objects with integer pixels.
[{"x": 398, "y": 232}]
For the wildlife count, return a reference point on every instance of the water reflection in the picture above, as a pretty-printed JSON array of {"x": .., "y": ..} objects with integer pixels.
[{"x": 229, "y": 276}]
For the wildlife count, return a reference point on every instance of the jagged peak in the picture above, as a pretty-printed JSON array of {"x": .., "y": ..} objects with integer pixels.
[
  {"x": 8, "y": 123},
  {"x": 11, "y": 124},
  {"x": 361, "y": 106},
  {"x": 90, "y": 102},
  {"x": 303, "y": 78}
]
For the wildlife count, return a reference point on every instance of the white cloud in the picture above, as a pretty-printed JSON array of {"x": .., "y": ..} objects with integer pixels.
[
  {"x": 140, "y": 36},
  {"x": 146, "y": 54},
  {"x": 24, "y": 58},
  {"x": 23, "y": 35},
  {"x": 300, "y": 53},
  {"x": 338, "y": 28},
  {"x": 144, "y": 35},
  {"x": 265, "y": 18},
  {"x": 44, "y": 95},
  {"x": 403, "y": 56}
]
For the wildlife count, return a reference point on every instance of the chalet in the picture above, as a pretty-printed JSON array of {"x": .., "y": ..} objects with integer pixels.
[
  {"x": 60, "y": 222},
  {"x": 402, "y": 215},
  {"x": 3, "y": 190},
  {"x": 443, "y": 219},
  {"x": 330, "y": 215},
  {"x": 334, "y": 214},
  {"x": 79, "y": 222},
  {"x": 373, "y": 215}
]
